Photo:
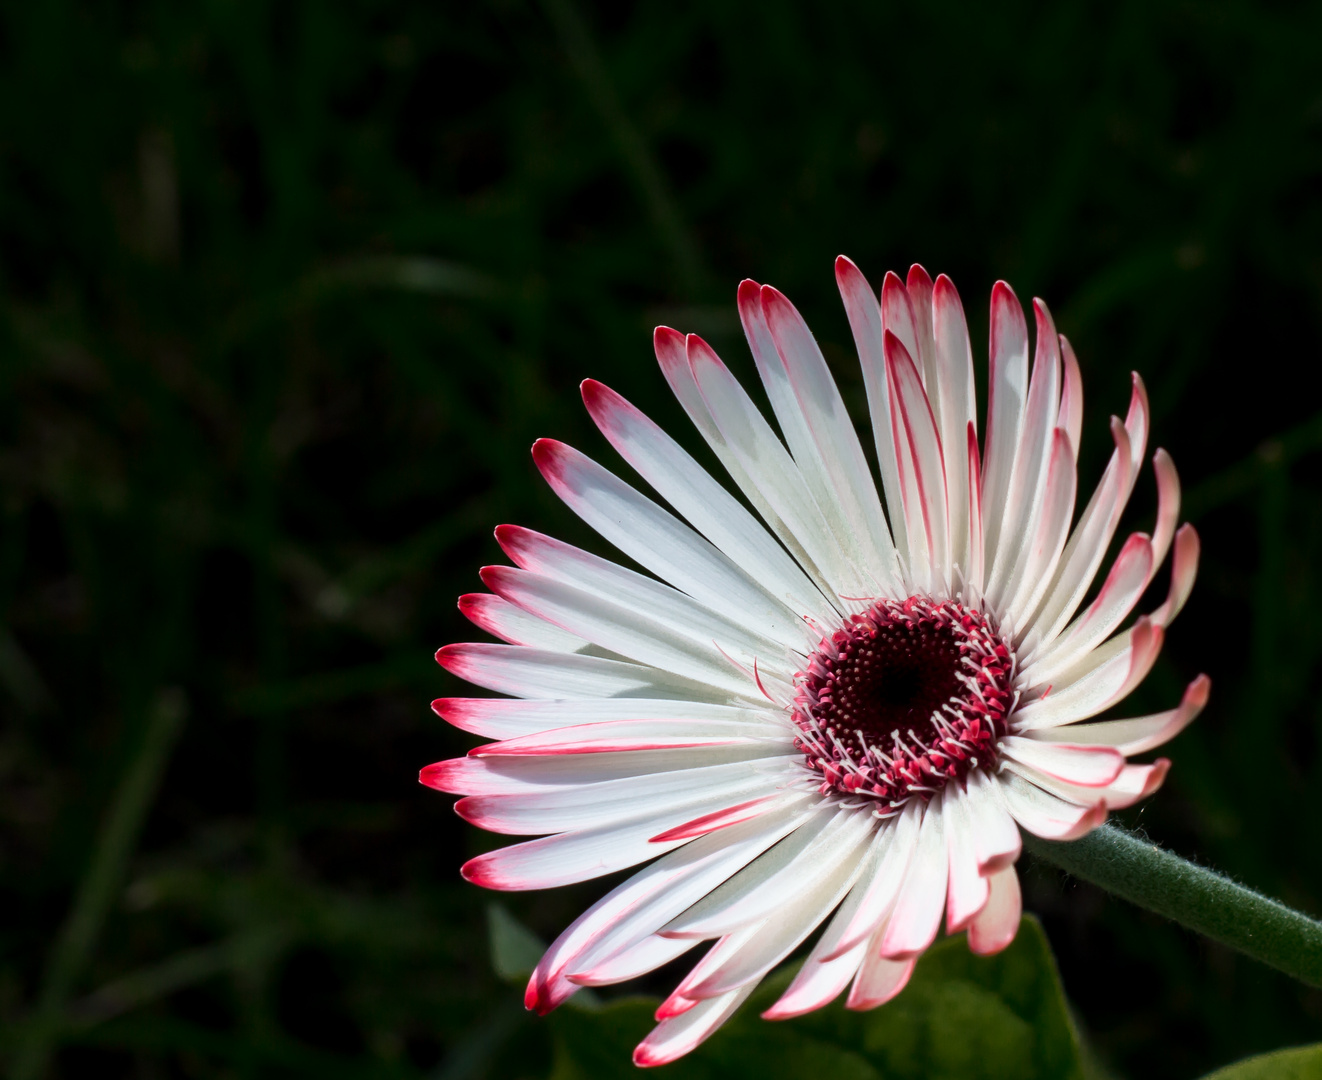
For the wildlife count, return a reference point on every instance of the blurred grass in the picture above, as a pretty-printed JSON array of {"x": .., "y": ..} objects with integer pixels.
[{"x": 287, "y": 291}]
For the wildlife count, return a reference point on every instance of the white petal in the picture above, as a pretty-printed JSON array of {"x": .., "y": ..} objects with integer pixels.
[
  {"x": 1042, "y": 547},
  {"x": 617, "y": 735},
  {"x": 1134, "y": 783},
  {"x": 769, "y": 466},
  {"x": 1184, "y": 569},
  {"x": 826, "y": 972},
  {"x": 956, "y": 406},
  {"x": 1124, "y": 585},
  {"x": 967, "y": 889},
  {"x": 1092, "y": 535},
  {"x": 515, "y": 775},
  {"x": 760, "y": 891},
  {"x": 594, "y": 806},
  {"x": 922, "y": 472},
  {"x": 1089, "y": 766},
  {"x": 673, "y": 1038},
  {"x": 616, "y": 939},
  {"x": 705, "y": 650},
  {"x": 996, "y": 838},
  {"x": 1007, "y": 392},
  {"x": 1140, "y": 734},
  {"x": 565, "y": 563},
  {"x": 865, "y": 322},
  {"x": 658, "y": 540},
  {"x": 511, "y": 718},
  {"x": 1071, "y": 394},
  {"x": 1098, "y": 683},
  {"x": 576, "y": 856},
  {"x": 917, "y": 914},
  {"x": 899, "y": 840},
  {"x": 1047, "y": 815},
  {"x": 879, "y": 979},
  {"x": 672, "y": 353},
  {"x": 1023, "y": 501},
  {"x": 708, "y": 506},
  {"x": 846, "y": 477},
  {"x": 779, "y": 936},
  {"x": 538, "y": 673},
  {"x": 997, "y": 923},
  {"x": 511, "y": 623}
]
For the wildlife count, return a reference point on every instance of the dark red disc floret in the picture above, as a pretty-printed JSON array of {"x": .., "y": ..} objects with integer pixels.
[{"x": 904, "y": 698}]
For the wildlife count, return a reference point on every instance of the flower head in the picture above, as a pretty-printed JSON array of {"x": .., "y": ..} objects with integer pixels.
[{"x": 836, "y": 713}]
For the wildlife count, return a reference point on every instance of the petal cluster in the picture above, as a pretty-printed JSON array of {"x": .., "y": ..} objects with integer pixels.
[{"x": 703, "y": 718}]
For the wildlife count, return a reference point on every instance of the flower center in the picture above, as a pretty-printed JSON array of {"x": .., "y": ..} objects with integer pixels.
[{"x": 902, "y": 699}]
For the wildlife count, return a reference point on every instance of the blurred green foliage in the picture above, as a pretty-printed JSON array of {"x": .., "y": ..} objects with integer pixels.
[{"x": 287, "y": 290}]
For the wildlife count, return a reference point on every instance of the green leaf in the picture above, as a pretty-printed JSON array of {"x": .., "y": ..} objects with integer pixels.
[
  {"x": 1301, "y": 1063},
  {"x": 962, "y": 1017},
  {"x": 515, "y": 949}
]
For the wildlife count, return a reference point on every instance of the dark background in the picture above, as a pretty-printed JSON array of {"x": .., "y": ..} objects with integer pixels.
[{"x": 286, "y": 293}]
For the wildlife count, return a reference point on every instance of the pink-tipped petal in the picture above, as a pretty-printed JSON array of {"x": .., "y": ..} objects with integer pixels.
[
  {"x": 1006, "y": 398},
  {"x": 897, "y": 314},
  {"x": 844, "y": 473},
  {"x": 1140, "y": 734},
  {"x": 1047, "y": 815},
  {"x": 865, "y": 321},
  {"x": 918, "y": 283},
  {"x": 1071, "y": 394},
  {"x": 997, "y": 923},
  {"x": 879, "y": 979},
  {"x": 698, "y": 497},
  {"x": 1124, "y": 585},
  {"x": 1184, "y": 568},
  {"x": 512, "y": 624},
  {"x": 996, "y": 838},
  {"x": 1088, "y": 766},
  {"x": 674, "y": 1038},
  {"x": 1168, "y": 505},
  {"x": 966, "y": 891},
  {"x": 955, "y": 403},
  {"x": 917, "y": 914},
  {"x": 1033, "y": 459},
  {"x": 922, "y": 470}
]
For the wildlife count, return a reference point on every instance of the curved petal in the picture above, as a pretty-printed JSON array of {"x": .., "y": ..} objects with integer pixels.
[
  {"x": 707, "y": 650},
  {"x": 538, "y": 673},
  {"x": 1140, "y": 734},
  {"x": 512, "y": 718},
  {"x": 509, "y": 622},
  {"x": 922, "y": 472},
  {"x": 655, "y": 539},
  {"x": 996, "y": 924},
  {"x": 708, "y": 506},
  {"x": 1032, "y": 459},
  {"x": 956, "y": 406},
  {"x": 764, "y": 459},
  {"x": 845, "y": 473},
  {"x": 1006, "y": 396}
]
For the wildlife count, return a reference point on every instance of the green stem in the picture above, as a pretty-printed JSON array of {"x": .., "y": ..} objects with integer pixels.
[
  {"x": 1202, "y": 900},
  {"x": 96, "y": 892}
]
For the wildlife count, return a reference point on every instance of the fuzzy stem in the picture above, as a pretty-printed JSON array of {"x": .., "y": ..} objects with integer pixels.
[{"x": 1202, "y": 900}]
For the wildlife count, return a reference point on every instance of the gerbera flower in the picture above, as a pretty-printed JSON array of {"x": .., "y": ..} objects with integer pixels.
[{"x": 837, "y": 712}]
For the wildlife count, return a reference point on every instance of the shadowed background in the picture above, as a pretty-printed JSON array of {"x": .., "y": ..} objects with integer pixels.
[{"x": 286, "y": 293}]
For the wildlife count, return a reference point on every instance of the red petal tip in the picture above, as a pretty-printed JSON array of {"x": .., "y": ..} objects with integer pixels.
[
  {"x": 479, "y": 873},
  {"x": 433, "y": 776},
  {"x": 919, "y": 276},
  {"x": 594, "y": 392}
]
